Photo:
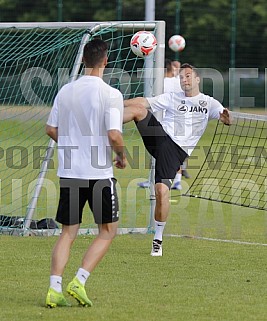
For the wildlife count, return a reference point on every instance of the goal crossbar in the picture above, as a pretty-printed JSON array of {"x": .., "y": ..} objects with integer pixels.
[{"x": 91, "y": 26}]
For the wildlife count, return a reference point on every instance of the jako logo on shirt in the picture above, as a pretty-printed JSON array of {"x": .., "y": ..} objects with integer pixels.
[
  {"x": 192, "y": 109},
  {"x": 182, "y": 109}
]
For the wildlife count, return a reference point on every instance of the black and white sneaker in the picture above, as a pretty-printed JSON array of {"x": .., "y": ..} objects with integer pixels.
[{"x": 156, "y": 248}]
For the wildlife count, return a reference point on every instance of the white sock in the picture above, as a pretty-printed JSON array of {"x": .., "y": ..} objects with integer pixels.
[
  {"x": 56, "y": 282},
  {"x": 177, "y": 178},
  {"x": 82, "y": 275},
  {"x": 159, "y": 230}
]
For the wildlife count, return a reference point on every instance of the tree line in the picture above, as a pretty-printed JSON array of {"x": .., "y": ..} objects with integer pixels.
[{"x": 215, "y": 32}]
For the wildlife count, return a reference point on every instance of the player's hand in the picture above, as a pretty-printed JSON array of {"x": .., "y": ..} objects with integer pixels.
[
  {"x": 120, "y": 162},
  {"x": 225, "y": 117}
]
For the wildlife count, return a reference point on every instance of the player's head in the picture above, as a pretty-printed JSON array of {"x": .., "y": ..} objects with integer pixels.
[
  {"x": 95, "y": 53},
  {"x": 188, "y": 66},
  {"x": 189, "y": 79},
  {"x": 168, "y": 68}
]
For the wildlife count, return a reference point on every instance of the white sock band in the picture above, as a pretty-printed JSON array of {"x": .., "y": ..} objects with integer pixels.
[
  {"x": 177, "y": 178},
  {"x": 56, "y": 282},
  {"x": 82, "y": 275},
  {"x": 159, "y": 230}
]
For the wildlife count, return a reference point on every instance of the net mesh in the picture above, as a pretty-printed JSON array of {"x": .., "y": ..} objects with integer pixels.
[
  {"x": 34, "y": 64},
  {"x": 235, "y": 168}
]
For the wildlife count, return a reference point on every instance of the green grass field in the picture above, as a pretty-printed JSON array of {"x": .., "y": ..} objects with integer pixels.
[{"x": 194, "y": 281}]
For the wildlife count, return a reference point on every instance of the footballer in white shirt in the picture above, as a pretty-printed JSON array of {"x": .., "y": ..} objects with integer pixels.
[
  {"x": 171, "y": 140},
  {"x": 171, "y": 84},
  {"x": 86, "y": 122}
]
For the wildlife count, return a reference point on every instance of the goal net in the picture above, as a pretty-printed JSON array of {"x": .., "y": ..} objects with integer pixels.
[
  {"x": 235, "y": 168},
  {"x": 36, "y": 60}
]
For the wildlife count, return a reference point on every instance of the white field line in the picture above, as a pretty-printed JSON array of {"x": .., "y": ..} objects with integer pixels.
[
  {"x": 121, "y": 231},
  {"x": 216, "y": 240}
]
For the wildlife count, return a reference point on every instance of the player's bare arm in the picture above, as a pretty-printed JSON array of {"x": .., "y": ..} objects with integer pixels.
[
  {"x": 52, "y": 132},
  {"x": 226, "y": 117},
  {"x": 117, "y": 144}
]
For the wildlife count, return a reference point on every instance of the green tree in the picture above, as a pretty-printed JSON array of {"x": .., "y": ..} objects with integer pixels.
[{"x": 205, "y": 24}]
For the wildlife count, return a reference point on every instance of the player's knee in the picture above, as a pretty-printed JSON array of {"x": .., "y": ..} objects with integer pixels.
[
  {"x": 109, "y": 230},
  {"x": 140, "y": 112},
  {"x": 162, "y": 192}
]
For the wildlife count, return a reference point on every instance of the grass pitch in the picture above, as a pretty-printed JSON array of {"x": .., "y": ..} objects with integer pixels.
[{"x": 194, "y": 281}]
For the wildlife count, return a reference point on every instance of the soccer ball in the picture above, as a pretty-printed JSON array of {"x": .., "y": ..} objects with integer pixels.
[
  {"x": 176, "y": 43},
  {"x": 143, "y": 43}
]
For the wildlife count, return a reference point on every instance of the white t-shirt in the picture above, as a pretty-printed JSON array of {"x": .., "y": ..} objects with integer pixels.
[
  {"x": 185, "y": 118},
  {"x": 83, "y": 111},
  {"x": 172, "y": 85}
]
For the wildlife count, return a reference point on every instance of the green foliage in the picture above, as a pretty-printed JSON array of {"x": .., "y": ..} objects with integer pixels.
[{"x": 206, "y": 24}]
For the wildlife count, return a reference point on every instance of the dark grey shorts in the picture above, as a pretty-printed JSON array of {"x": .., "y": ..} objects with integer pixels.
[
  {"x": 101, "y": 196},
  {"x": 169, "y": 156}
]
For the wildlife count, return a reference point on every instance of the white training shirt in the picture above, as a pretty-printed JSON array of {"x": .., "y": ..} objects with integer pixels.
[
  {"x": 185, "y": 118},
  {"x": 83, "y": 111},
  {"x": 172, "y": 84}
]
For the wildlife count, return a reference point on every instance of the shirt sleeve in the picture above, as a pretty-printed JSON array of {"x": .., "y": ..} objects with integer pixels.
[
  {"x": 53, "y": 116},
  {"x": 114, "y": 111},
  {"x": 160, "y": 102},
  {"x": 215, "y": 109}
]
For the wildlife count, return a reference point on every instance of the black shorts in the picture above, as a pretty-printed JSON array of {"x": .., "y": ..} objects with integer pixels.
[
  {"x": 101, "y": 196},
  {"x": 169, "y": 156}
]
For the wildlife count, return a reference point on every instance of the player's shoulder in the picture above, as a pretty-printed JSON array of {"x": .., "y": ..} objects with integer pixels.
[
  {"x": 106, "y": 89},
  {"x": 72, "y": 84},
  {"x": 212, "y": 102},
  {"x": 207, "y": 98},
  {"x": 111, "y": 91},
  {"x": 204, "y": 96},
  {"x": 65, "y": 87},
  {"x": 173, "y": 97},
  {"x": 179, "y": 94}
]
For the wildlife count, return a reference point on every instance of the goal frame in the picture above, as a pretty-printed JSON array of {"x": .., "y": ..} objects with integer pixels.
[{"x": 153, "y": 72}]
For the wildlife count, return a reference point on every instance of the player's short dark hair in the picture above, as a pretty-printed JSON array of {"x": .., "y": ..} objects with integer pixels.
[
  {"x": 94, "y": 52},
  {"x": 187, "y": 65},
  {"x": 168, "y": 65}
]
